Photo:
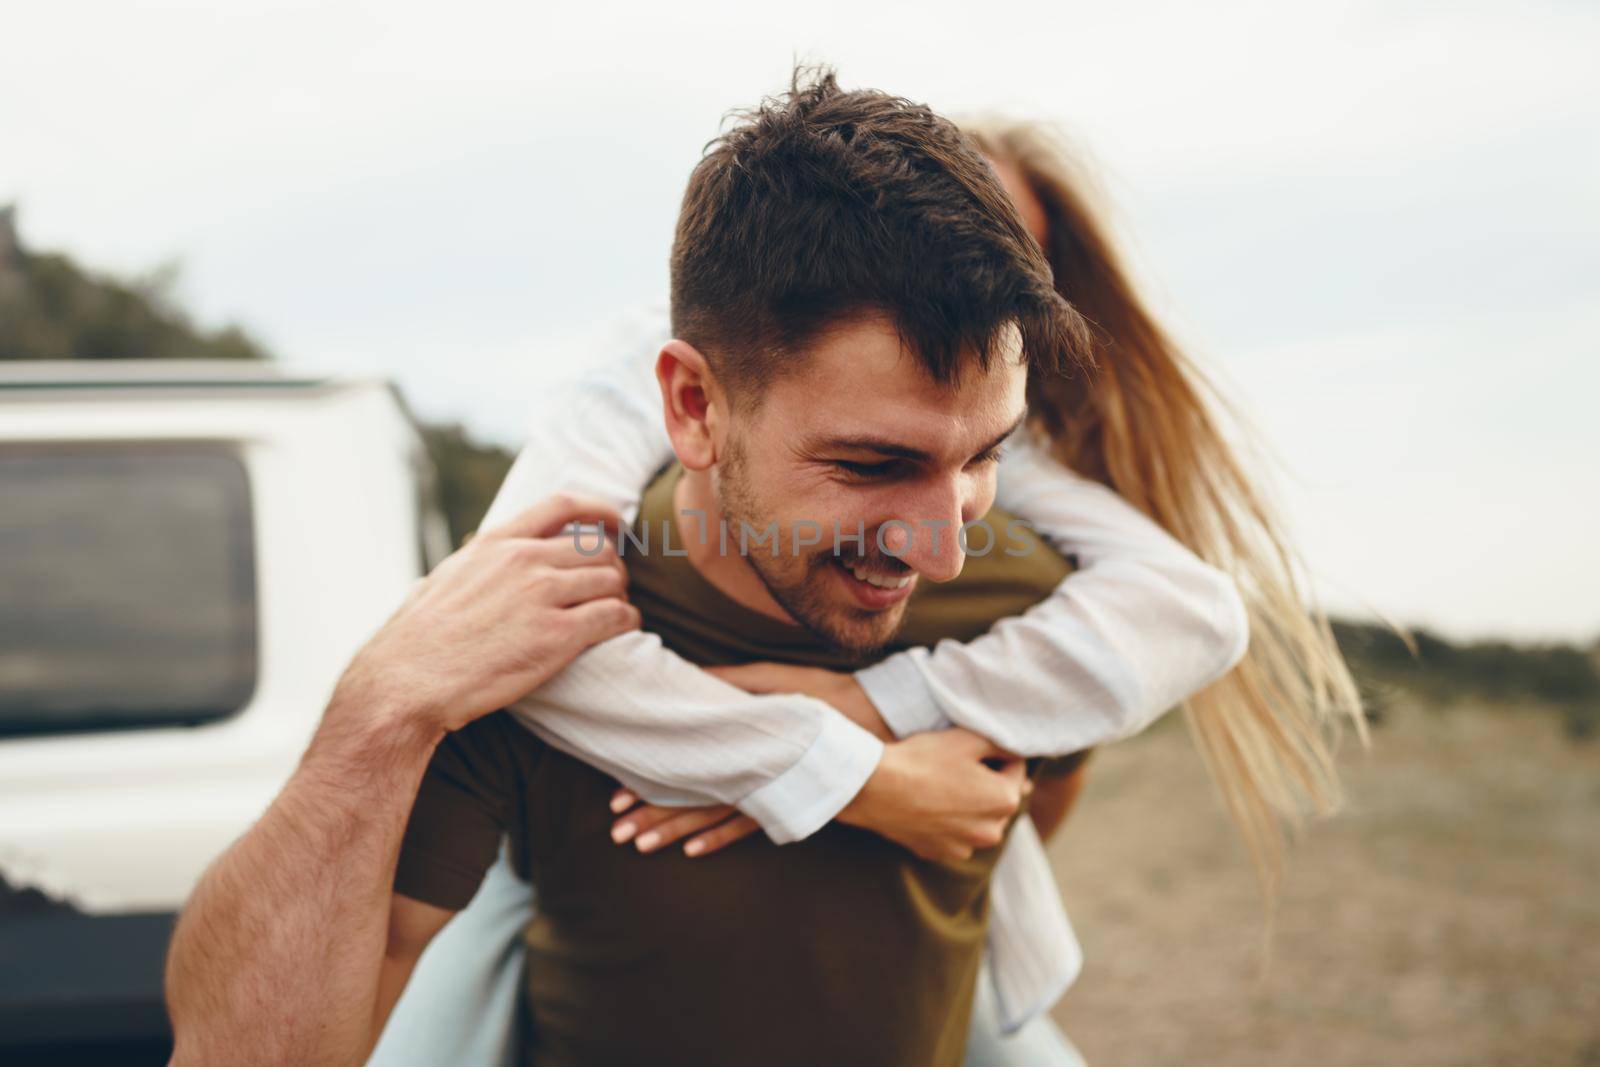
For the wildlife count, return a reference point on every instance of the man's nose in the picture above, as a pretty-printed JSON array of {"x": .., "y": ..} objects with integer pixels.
[{"x": 927, "y": 539}]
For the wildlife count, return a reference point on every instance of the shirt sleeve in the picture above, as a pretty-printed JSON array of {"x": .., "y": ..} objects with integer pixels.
[
  {"x": 463, "y": 809},
  {"x": 1139, "y": 626},
  {"x": 632, "y": 708}
]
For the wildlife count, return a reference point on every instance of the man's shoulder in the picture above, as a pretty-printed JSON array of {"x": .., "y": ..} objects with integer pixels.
[{"x": 1008, "y": 569}]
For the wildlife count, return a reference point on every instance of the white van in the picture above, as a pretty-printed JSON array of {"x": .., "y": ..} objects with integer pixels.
[{"x": 189, "y": 554}]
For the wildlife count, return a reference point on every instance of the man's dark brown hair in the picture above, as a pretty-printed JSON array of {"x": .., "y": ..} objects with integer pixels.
[{"x": 822, "y": 203}]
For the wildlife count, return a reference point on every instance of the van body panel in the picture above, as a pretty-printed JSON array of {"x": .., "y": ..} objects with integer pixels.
[{"x": 109, "y": 829}]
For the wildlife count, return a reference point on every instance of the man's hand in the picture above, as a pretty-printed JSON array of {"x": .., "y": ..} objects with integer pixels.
[
  {"x": 497, "y": 619},
  {"x": 941, "y": 794},
  {"x": 832, "y": 687}
]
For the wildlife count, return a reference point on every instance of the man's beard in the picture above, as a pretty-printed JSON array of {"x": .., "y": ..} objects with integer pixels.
[{"x": 845, "y": 628}]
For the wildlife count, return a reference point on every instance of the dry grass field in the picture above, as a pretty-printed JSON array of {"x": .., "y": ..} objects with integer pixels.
[{"x": 1450, "y": 915}]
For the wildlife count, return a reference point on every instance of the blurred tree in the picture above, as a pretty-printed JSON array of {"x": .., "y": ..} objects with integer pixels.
[
  {"x": 469, "y": 474},
  {"x": 1560, "y": 676},
  {"x": 50, "y": 308}
]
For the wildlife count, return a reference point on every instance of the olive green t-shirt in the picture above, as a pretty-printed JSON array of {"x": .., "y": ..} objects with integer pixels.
[{"x": 840, "y": 949}]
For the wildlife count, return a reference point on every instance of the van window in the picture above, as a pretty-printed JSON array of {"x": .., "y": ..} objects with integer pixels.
[{"x": 127, "y": 586}]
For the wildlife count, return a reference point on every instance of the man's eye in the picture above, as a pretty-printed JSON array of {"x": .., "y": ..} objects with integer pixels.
[
  {"x": 867, "y": 470},
  {"x": 992, "y": 456}
]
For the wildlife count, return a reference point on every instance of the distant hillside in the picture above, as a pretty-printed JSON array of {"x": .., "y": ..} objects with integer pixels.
[
  {"x": 52, "y": 308},
  {"x": 1561, "y": 677}
]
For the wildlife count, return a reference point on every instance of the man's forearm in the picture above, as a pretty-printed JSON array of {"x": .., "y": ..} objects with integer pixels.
[
  {"x": 280, "y": 952},
  {"x": 277, "y": 955}
]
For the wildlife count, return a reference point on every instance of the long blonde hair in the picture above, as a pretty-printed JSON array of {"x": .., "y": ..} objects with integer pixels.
[{"x": 1146, "y": 423}]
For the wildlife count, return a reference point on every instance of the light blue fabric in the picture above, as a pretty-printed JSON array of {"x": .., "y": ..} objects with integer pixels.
[
  {"x": 460, "y": 1006},
  {"x": 1037, "y": 1043}
]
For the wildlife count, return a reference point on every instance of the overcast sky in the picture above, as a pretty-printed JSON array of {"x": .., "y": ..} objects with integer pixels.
[{"x": 1377, "y": 223}]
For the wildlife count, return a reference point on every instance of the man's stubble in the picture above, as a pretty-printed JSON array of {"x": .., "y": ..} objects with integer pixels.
[{"x": 853, "y": 631}]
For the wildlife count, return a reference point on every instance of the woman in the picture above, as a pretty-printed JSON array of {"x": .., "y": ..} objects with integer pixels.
[
  {"x": 1141, "y": 427},
  {"x": 1145, "y": 426}
]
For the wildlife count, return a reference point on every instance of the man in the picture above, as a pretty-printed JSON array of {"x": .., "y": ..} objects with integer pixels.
[{"x": 856, "y": 308}]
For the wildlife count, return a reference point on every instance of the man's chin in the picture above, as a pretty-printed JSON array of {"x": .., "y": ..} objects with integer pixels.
[
  {"x": 828, "y": 611},
  {"x": 856, "y": 632}
]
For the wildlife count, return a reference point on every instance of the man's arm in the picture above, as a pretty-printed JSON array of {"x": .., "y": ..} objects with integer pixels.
[
  {"x": 293, "y": 947},
  {"x": 275, "y": 957}
]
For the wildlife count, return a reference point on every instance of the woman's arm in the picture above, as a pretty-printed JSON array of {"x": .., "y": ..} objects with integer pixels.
[
  {"x": 1139, "y": 626},
  {"x": 1075, "y": 666}
]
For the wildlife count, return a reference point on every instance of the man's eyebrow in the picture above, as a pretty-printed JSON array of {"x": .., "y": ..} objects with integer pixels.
[
  {"x": 998, "y": 441},
  {"x": 870, "y": 444},
  {"x": 885, "y": 447}
]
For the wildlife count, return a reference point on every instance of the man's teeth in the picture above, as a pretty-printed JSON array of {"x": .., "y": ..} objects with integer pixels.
[{"x": 880, "y": 580}]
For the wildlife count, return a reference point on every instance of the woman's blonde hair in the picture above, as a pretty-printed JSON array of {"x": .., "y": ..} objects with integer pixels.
[{"x": 1145, "y": 422}]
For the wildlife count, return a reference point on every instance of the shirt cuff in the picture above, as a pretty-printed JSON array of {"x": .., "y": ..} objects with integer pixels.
[
  {"x": 901, "y": 693},
  {"x": 804, "y": 798}
]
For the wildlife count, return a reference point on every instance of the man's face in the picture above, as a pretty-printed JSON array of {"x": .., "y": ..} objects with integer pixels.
[{"x": 854, "y": 439}]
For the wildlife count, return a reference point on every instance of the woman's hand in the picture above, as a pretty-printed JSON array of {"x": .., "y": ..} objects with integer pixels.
[
  {"x": 650, "y": 827},
  {"x": 717, "y": 826}
]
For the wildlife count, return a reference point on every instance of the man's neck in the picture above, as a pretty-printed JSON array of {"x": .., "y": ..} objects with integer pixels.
[{"x": 730, "y": 572}]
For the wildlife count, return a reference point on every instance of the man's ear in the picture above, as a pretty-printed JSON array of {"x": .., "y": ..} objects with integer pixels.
[{"x": 693, "y": 404}]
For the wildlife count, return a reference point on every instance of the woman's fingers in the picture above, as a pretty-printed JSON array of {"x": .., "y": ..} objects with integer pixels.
[
  {"x": 650, "y": 827},
  {"x": 682, "y": 825},
  {"x": 639, "y": 820},
  {"x": 740, "y": 826}
]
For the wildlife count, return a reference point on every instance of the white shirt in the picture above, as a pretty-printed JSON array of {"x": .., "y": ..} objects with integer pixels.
[{"x": 1139, "y": 626}]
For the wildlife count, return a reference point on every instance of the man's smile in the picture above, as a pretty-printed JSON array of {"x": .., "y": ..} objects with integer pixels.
[{"x": 870, "y": 586}]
